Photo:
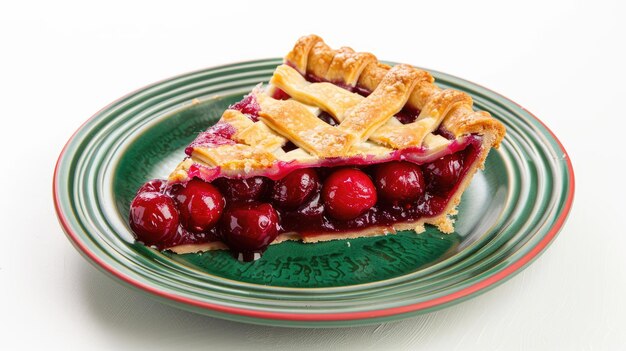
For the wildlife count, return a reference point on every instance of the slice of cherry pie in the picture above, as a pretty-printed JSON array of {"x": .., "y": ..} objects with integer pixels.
[{"x": 337, "y": 146}]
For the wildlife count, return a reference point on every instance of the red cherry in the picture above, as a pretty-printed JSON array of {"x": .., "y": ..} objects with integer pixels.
[
  {"x": 243, "y": 189},
  {"x": 431, "y": 205},
  {"x": 348, "y": 193},
  {"x": 280, "y": 94},
  {"x": 249, "y": 227},
  {"x": 153, "y": 218},
  {"x": 307, "y": 217},
  {"x": 154, "y": 185},
  {"x": 200, "y": 205},
  {"x": 295, "y": 188},
  {"x": 442, "y": 174},
  {"x": 399, "y": 181}
]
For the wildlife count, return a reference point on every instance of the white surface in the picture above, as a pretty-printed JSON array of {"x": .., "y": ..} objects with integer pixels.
[{"x": 61, "y": 62}]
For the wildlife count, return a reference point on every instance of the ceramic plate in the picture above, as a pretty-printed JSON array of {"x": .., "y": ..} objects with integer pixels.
[{"x": 508, "y": 216}]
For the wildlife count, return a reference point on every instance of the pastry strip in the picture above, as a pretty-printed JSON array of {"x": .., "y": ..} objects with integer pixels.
[
  {"x": 384, "y": 102},
  {"x": 347, "y": 65},
  {"x": 238, "y": 156},
  {"x": 327, "y": 96},
  {"x": 295, "y": 122},
  {"x": 253, "y": 133},
  {"x": 429, "y": 119}
]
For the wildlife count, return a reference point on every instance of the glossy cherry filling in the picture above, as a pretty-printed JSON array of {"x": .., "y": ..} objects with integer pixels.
[
  {"x": 422, "y": 199},
  {"x": 248, "y": 214}
]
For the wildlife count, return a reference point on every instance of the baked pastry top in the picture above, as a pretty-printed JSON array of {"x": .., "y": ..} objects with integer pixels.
[{"x": 360, "y": 94}]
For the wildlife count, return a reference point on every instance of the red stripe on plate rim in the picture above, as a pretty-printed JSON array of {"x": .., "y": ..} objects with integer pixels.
[{"x": 319, "y": 317}]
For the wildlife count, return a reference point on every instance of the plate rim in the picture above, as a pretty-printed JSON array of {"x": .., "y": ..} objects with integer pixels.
[{"x": 440, "y": 301}]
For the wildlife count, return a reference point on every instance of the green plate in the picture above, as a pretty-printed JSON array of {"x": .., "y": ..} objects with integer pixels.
[{"x": 509, "y": 214}]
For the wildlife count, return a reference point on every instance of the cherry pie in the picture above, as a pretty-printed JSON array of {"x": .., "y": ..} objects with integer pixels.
[{"x": 337, "y": 146}]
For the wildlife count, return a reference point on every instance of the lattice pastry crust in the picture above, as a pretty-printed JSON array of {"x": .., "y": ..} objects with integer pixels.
[{"x": 363, "y": 96}]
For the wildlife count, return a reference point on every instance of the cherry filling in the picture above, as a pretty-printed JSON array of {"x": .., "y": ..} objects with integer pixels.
[
  {"x": 295, "y": 188},
  {"x": 243, "y": 189},
  {"x": 399, "y": 181},
  {"x": 200, "y": 205},
  {"x": 348, "y": 193},
  {"x": 248, "y": 228},
  {"x": 154, "y": 217},
  {"x": 248, "y": 214},
  {"x": 402, "y": 189}
]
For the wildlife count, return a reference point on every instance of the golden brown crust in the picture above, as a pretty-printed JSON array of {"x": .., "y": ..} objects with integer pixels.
[
  {"x": 237, "y": 156},
  {"x": 361, "y": 118},
  {"x": 372, "y": 75},
  {"x": 295, "y": 122},
  {"x": 325, "y": 95},
  {"x": 347, "y": 66},
  {"x": 298, "y": 57},
  {"x": 322, "y": 56},
  {"x": 413, "y": 134},
  {"x": 382, "y": 104},
  {"x": 255, "y": 134},
  {"x": 462, "y": 121}
]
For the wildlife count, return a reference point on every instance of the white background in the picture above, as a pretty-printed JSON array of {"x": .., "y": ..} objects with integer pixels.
[{"x": 564, "y": 61}]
